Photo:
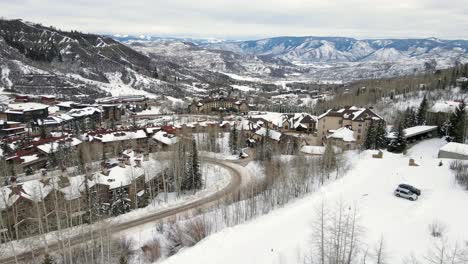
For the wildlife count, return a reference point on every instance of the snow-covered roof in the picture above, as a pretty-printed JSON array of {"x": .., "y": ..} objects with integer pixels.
[
  {"x": 119, "y": 176},
  {"x": 54, "y": 146},
  {"x": 352, "y": 113},
  {"x": 165, "y": 138},
  {"x": 87, "y": 111},
  {"x": 414, "y": 131},
  {"x": 121, "y": 135},
  {"x": 317, "y": 150},
  {"x": 454, "y": 147},
  {"x": 344, "y": 134},
  {"x": 273, "y": 134},
  {"x": 65, "y": 104},
  {"x": 25, "y": 107},
  {"x": 444, "y": 107}
]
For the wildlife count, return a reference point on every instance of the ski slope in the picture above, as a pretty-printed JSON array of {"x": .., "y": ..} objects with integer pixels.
[{"x": 284, "y": 235}]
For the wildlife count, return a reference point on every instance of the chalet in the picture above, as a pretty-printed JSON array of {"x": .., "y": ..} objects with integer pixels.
[
  {"x": 356, "y": 119},
  {"x": 301, "y": 122}
]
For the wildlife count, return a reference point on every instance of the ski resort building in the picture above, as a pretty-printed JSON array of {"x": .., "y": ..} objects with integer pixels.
[
  {"x": 357, "y": 120},
  {"x": 211, "y": 105}
]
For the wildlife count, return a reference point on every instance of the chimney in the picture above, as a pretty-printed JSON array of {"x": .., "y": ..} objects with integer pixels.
[
  {"x": 138, "y": 163},
  {"x": 13, "y": 182},
  {"x": 122, "y": 162}
]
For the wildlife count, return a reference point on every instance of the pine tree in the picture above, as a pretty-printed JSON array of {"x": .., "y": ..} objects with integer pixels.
[
  {"x": 399, "y": 143},
  {"x": 120, "y": 202},
  {"x": 380, "y": 135},
  {"x": 233, "y": 140},
  {"x": 192, "y": 176},
  {"x": 457, "y": 124},
  {"x": 422, "y": 112},
  {"x": 48, "y": 259},
  {"x": 370, "y": 137}
]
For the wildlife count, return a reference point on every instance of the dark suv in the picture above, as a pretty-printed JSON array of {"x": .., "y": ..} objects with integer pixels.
[{"x": 410, "y": 188}]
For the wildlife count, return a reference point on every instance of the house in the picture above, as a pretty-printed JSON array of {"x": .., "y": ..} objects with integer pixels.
[
  {"x": 453, "y": 150},
  {"x": 300, "y": 122},
  {"x": 356, "y": 119},
  {"x": 87, "y": 115},
  {"x": 26, "y": 112},
  {"x": 441, "y": 111}
]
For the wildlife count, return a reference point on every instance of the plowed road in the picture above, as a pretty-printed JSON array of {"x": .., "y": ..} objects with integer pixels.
[{"x": 234, "y": 184}]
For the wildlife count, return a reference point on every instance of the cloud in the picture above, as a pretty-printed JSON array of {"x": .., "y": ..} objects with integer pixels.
[{"x": 250, "y": 18}]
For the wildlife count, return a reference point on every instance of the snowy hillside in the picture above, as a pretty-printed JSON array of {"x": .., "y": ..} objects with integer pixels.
[{"x": 285, "y": 235}]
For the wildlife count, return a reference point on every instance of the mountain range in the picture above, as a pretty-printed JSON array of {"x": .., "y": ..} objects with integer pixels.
[
  {"x": 315, "y": 58},
  {"x": 98, "y": 65}
]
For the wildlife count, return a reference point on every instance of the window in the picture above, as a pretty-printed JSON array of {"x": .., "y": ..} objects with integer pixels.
[
  {"x": 359, "y": 130},
  {"x": 359, "y": 137},
  {"x": 340, "y": 121},
  {"x": 360, "y": 125}
]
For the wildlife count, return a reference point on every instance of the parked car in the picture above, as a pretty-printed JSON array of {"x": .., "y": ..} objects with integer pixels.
[
  {"x": 410, "y": 188},
  {"x": 407, "y": 194}
]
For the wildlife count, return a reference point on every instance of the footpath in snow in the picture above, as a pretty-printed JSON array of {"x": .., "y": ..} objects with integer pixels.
[{"x": 285, "y": 234}]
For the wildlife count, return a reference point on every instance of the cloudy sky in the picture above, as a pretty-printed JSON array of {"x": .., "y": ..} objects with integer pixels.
[{"x": 243, "y": 19}]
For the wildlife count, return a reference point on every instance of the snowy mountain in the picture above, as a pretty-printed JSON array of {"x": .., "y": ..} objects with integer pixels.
[
  {"x": 84, "y": 63},
  {"x": 338, "y": 49},
  {"x": 307, "y": 58}
]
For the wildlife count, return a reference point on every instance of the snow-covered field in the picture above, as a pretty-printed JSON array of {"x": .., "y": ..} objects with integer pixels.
[{"x": 284, "y": 235}]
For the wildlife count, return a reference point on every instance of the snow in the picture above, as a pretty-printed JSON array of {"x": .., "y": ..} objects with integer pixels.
[
  {"x": 414, "y": 131},
  {"x": 457, "y": 148},
  {"x": 87, "y": 111},
  {"x": 285, "y": 234},
  {"x": 444, "y": 107},
  {"x": 54, "y": 146},
  {"x": 344, "y": 134},
  {"x": 120, "y": 176},
  {"x": 316, "y": 150},
  {"x": 153, "y": 111},
  {"x": 273, "y": 134},
  {"x": 24, "y": 107},
  {"x": 29, "y": 158},
  {"x": 165, "y": 138},
  {"x": 122, "y": 135}
]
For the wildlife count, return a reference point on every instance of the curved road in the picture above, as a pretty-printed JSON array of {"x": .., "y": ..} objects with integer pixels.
[{"x": 234, "y": 184}]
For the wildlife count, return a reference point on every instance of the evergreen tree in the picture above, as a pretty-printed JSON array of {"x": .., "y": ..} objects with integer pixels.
[
  {"x": 399, "y": 143},
  {"x": 457, "y": 124},
  {"x": 410, "y": 119},
  {"x": 422, "y": 112},
  {"x": 233, "y": 140},
  {"x": 120, "y": 202},
  {"x": 192, "y": 176},
  {"x": 380, "y": 135},
  {"x": 48, "y": 259},
  {"x": 370, "y": 137}
]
